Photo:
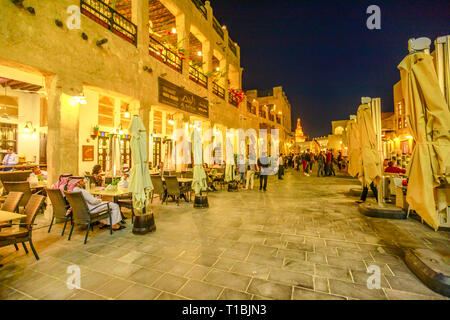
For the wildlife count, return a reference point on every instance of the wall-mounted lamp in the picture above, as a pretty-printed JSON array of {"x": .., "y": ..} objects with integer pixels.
[
  {"x": 127, "y": 113},
  {"x": 28, "y": 127},
  {"x": 81, "y": 99}
]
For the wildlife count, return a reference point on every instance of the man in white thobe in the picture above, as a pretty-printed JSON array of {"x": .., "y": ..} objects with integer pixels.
[{"x": 93, "y": 202}]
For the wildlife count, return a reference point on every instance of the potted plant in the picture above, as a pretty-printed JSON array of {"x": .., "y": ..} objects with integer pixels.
[
  {"x": 95, "y": 131},
  {"x": 113, "y": 186}
]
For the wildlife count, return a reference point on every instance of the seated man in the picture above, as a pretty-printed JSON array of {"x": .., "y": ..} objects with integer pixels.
[
  {"x": 38, "y": 175},
  {"x": 10, "y": 159},
  {"x": 393, "y": 169},
  {"x": 92, "y": 202},
  {"x": 124, "y": 179}
]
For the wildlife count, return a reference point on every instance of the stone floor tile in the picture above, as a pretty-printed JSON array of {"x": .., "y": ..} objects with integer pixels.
[
  {"x": 292, "y": 278},
  {"x": 229, "y": 294},
  {"x": 270, "y": 289},
  {"x": 145, "y": 276},
  {"x": 332, "y": 272},
  {"x": 303, "y": 294},
  {"x": 197, "y": 290},
  {"x": 138, "y": 292},
  {"x": 169, "y": 283},
  {"x": 354, "y": 290},
  {"x": 230, "y": 280}
]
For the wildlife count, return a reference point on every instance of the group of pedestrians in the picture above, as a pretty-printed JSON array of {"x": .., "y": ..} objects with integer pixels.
[{"x": 325, "y": 162}]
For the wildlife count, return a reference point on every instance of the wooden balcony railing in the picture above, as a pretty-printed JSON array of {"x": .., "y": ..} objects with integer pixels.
[
  {"x": 271, "y": 117},
  {"x": 200, "y": 6},
  {"x": 251, "y": 108},
  {"x": 218, "y": 28},
  {"x": 262, "y": 114},
  {"x": 165, "y": 55},
  {"x": 198, "y": 77},
  {"x": 232, "y": 46},
  {"x": 232, "y": 99},
  {"x": 109, "y": 18},
  {"x": 218, "y": 90}
]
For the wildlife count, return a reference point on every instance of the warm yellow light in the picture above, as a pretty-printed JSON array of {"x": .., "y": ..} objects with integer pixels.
[
  {"x": 395, "y": 139},
  {"x": 217, "y": 69},
  {"x": 174, "y": 31},
  {"x": 199, "y": 53},
  {"x": 340, "y": 142},
  {"x": 409, "y": 137},
  {"x": 280, "y": 112},
  {"x": 171, "y": 122}
]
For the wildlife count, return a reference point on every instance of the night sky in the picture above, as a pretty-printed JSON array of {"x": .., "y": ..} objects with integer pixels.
[{"x": 322, "y": 53}]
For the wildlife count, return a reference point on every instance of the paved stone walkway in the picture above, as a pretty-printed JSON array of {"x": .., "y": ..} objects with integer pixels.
[{"x": 302, "y": 239}]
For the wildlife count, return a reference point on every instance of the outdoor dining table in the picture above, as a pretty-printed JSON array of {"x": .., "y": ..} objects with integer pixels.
[
  {"x": 115, "y": 194},
  {"x": 8, "y": 216},
  {"x": 39, "y": 185}
]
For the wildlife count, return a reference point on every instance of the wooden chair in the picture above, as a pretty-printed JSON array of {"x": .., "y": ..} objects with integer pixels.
[
  {"x": 60, "y": 208},
  {"x": 24, "y": 233},
  {"x": 19, "y": 186},
  {"x": 174, "y": 190},
  {"x": 82, "y": 214},
  {"x": 10, "y": 176},
  {"x": 11, "y": 204},
  {"x": 158, "y": 188}
]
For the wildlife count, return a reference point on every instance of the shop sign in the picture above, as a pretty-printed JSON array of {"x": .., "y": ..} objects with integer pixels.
[{"x": 180, "y": 98}]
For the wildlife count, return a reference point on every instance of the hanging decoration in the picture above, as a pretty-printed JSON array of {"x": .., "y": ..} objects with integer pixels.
[{"x": 238, "y": 95}]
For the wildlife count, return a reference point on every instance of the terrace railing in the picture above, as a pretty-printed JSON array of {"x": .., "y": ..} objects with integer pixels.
[
  {"x": 232, "y": 47},
  {"x": 232, "y": 99},
  {"x": 198, "y": 77},
  {"x": 200, "y": 6},
  {"x": 278, "y": 120},
  {"x": 218, "y": 90},
  {"x": 165, "y": 55},
  {"x": 262, "y": 114},
  {"x": 271, "y": 117},
  {"x": 218, "y": 28},
  {"x": 265, "y": 93},
  {"x": 109, "y": 18}
]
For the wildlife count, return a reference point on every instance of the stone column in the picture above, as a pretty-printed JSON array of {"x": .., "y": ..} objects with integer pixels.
[
  {"x": 139, "y": 12},
  {"x": 183, "y": 27},
  {"x": 207, "y": 54},
  {"x": 63, "y": 121},
  {"x": 144, "y": 113}
]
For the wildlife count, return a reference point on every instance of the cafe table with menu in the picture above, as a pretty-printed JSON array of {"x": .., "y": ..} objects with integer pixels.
[{"x": 115, "y": 194}]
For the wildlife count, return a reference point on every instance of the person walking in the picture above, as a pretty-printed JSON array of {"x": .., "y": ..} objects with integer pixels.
[
  {"x": 280, "y": 167},
  {"x": 305, "y": 161},
  {"x": 366, "y": 191},
  {"x": 263, "y": 164},
  {"x": 321, "y": 164},
  {"x": 311, "y": 161},
  {"x": 339, "y": 160}
]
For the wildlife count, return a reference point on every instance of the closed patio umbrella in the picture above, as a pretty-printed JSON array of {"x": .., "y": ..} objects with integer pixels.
[
  {"x": 369, "y": 153},
  {"x": 354, "y": 149},
  {"x": 199, "y": 178},
  {"x": 429, "y": 121},
  {"x": 115, "y": 163},
  {"x": 140, "y": 184}
]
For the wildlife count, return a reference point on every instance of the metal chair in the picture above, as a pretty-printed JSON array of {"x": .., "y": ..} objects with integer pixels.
[
  {"x": 60, "y": 208},
  {"x": 127, "y": 202},
  {"x": 24, "y": 233},
  {"x": 82, "y": 214},
  {"x": 19, "y": 186},
  {"x": 158, "y": 188}
]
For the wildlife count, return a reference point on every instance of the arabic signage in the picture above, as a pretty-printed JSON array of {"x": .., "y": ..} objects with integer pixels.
[{"x": 180, "y": 98}]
